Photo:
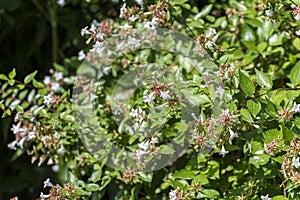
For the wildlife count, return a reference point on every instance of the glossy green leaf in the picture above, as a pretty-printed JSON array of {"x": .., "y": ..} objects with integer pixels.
[
  {"x": 184, "y": 174},
  {"x": 3, "y": 77},
  {"x": 96, "y": 175},
  {"x": 246, "y": 84},
  {"x": 246, "y": 115},
  {"x": 29, "y": 77},
  {"x": 295, "y": 74},
  {"x": 263, "y": 80},
  {"x": 37, "y": 84},
  {"x": 92, "y": 187},
  {"x": 12, "y": 74},
  {"x": 247, "y": 33},
  {"x": 253, "y": 107},
  {"x": 296, "y": 43}
]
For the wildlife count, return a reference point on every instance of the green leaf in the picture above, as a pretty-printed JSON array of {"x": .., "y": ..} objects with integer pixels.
[
  {"x": 296, "y": 43},
  {"x": 280, "y": 197},
  {"x": 210, "y": 193},
  {"x": 250, "y": 45},
  {"x": 258, "y": 160},
  {"x": 96, "y": 175},
  {"x": 287, "y": 134},
  {"x": 37, "y": 84},
  {"x": 165, "y": 149},
  {"x": 253, "y": 107},
  {"x": 297, "y": 2},
  {"x": 31, "y": 96},
  {"x": 11, "y": 82},
  {"x": 246, "y": 115},
  {"x": 205, "y": 11},
  {"x": 184, "y": 174},
  {"x": 262, "y": 46},
  {"x": 58, "y": 67},
  {"x": 247, "y": 33},
  {"x": 92, "y": 187},
  {"x": 246, "y": 84},
  {"x": 3, "y": 77},
  {"x": 178, "y": 2},
  {"x": 29, "y": 77},
  {"x": 263, "y": 80},
  {"x": 271, "y": 135},
  {"x": 12, "y": 74},
  {"x": 295, "y": 74},
  {"x": 200, "y": 179}
]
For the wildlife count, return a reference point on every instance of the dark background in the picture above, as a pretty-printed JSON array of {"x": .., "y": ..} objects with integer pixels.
[{"x": 26, "y": 44}]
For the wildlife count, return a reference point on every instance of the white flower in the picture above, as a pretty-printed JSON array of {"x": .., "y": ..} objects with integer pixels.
[
  {"x": 134, "y": 112},
  {"x": 48, "y": 99},
  {"x": 140, "y": 2},
  {"x": 85, "y": 31},
  {"x": 296, "y": 162},
  {"x": 297, "y": 17},
  {"x": 209, "y": 44},
  {"x": 93, "y": 97},
  {"x": 220, "y": 90},
  {"x": 17, "y": 128},
  {"x": 55, "y": 168},
  {"x": 149, "y": 98},
  {"x": 45, "y": 138},
  {"x": 139, "y": 154},
  {"x": 95, "y": 23},
  {"x": 47, "y": 183},
  {"x": 153, "y": 140},
  {"x": 50, "y": 161},
  {"x": 172, "y": 195},
  {"x": 18, "y": 115},
  {"x": 133, "y": 18},
  {"x": 135, "y": 126},
  {"x": 55, "y": 86},
  {"x": 12, "y": 145},
  {"x": 151, "y": 24},
  {"x": 21, "y": 142},
  {"x": 47, "y": 80},
  {"x": 269, "y": 13},
  {"x": 100, "y": 36},
  {"x": 61, "y": 3},
  {"x": 81, "y": 55},
  {"x": 58, "y": 76},
  {"x": 144, "y": 145},
  {"x": 123, "y": 9},
  {"x": 232, "y": 134},
  {"x": 135, "y": 43},
  {"x": 223, "y": 152},
  {"x": 44, "y": 196},
  {"x": 31, "y": 135},
  {"x": 296, "y": 108},
  {"x": 211, "y": 32},
  {"x": 297, "y": 32},
  {"x": 106, "y": 70},
  {"x": 265, "y": 197},
  {"x": 61, "y": 150},
  {"x": 93, "y": 28},
  {"x": 97, "y": 47},
  {"x": 225, "y": 112},
  {"x": 165, "y": 95}
]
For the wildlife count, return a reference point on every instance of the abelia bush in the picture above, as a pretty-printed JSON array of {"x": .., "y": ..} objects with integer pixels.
[{"x": 171, "y": 100}]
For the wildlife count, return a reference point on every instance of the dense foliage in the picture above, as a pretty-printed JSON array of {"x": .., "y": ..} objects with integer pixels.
[{"x": 171, "y": 100}]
